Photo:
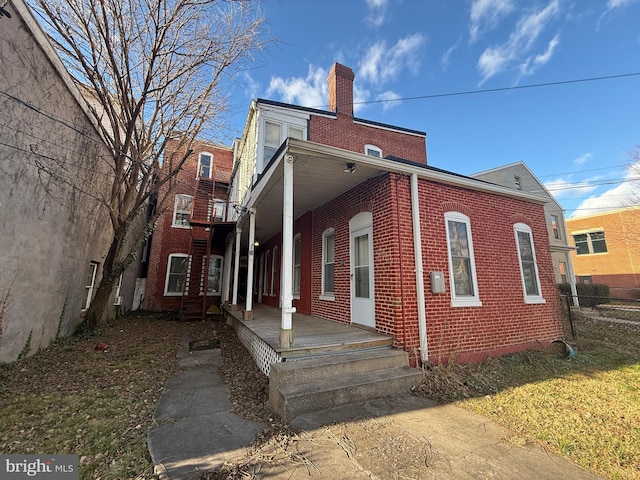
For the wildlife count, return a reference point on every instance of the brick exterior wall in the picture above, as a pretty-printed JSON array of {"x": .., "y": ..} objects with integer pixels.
[
  {"x": 167, "y": 239},
  {"x": 504, "y": 323},
  {"x": 619, "y": 267}
]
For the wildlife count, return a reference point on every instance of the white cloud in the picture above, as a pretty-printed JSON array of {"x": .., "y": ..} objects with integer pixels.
[
  {"x": 382, "y": 64},
  {"x": 486, "y": 14},
  {"x": 446, "y": 56},
  {"x": 582, "y": 159},
  {"x": 614, "y": 6},
  {"x": 528, "y": 29},
  {"x": 310, "y": 91},
  {"x": 390, "y": 99},
  {"x": 625, "y": 194},
  {"x": 377, "y": 10}
]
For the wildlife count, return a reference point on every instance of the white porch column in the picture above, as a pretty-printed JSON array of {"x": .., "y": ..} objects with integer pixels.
[
  {"x": 286, "y": 328},
  {"x": 417, "y": 249},
  {"x": 252, "y": 238},
  {"x": 236, "y": 270},
  {"x": 226, "y": 279}
]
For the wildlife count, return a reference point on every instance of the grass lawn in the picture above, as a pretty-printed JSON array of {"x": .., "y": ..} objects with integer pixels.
[{"x": 586, "y": 408}]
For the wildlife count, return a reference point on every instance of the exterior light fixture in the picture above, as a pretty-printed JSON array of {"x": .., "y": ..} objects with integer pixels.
[
  {"x": 256, "y": 243},
  {"x": 351, "y": 168}
]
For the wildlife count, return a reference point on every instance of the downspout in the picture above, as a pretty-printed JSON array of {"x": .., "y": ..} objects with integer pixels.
[{"x": 417, "y": 249}]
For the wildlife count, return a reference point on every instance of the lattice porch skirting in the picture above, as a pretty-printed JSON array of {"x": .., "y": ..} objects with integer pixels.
[{"x": 260, "y": 350}]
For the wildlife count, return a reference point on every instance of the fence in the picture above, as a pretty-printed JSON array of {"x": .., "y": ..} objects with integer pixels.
[{"x": 602, "y": 320}]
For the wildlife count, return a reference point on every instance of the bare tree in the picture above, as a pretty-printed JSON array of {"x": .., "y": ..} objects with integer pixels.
[{"x": 150, "y": 70}]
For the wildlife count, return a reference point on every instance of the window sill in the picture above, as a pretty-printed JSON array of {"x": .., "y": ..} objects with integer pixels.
[
  {"x": 180, "y": 226},
  {"x": 471, "y": 302},
  {"x": 328, "y": 298},
  {"x": 534, "y": 300},
  {"x": 172, "y": 294}
]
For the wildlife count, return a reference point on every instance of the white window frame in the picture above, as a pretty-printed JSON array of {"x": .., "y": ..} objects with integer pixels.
[
  {"x": 199, "y": 171},
  {"x": 266, "y": 273},
  {"x": 295, "y": 283},
  {"x": 372, "y": 148},
  {"x": 274, "y": 271},
  {"x": 167, "y": 293},
  {"x": 219, "y": 206},
  {"x": 555, "y": 226},
  {"x": 462, "y": 300},
  {"x": 528, "y": 298},
  {"x": 118, "y": 288},
  {"x": 176, "y": 211},
  {"x": 589, "y": 242},
  {"x": 326, "y": 295},
  {"x": 211, "y": 293},
  {"x": 93, "y": 271},
  {"x": 286, "y": 123}
]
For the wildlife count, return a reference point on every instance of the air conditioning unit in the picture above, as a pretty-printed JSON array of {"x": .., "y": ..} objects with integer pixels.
[{"x": 117, "y": 300}]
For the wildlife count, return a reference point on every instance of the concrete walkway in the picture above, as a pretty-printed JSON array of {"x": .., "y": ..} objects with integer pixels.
[
  {"x": 195, "y": 430},
  {"x": 393, "y": 437}
]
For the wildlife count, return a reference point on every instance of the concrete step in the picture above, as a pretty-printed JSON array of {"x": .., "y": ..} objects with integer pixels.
[{"x": 306, "y": 385}]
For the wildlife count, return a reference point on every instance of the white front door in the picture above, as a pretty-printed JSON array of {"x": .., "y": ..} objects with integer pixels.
[{"x": 362, "y": 295}]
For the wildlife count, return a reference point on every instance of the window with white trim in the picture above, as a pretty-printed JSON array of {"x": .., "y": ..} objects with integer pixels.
[
  {"x": 177, "y": 269},
  {"x": 462, "y": 265},
  {"x": 297, "y": 256},
  {"x": 205, "y": 162},
  {"x": 373, "y": 151},
  {"x": 90, "y": 284},
  {"x": 328, "y": 263},
  {"x": 219, "y": 207},
  {"x": 181, "y": 210},
  {"x": 528, "y": 264},
  {"x": 590, "y": 242},
  {"x": 117, "y": 299},
  {"x": 214, "y": 278},
  {"x": 271, "y": 140},
  {"x": 265, "y": 280},
  {"x": 274, "y": 271},
  {"x": 555, "y": 227}
]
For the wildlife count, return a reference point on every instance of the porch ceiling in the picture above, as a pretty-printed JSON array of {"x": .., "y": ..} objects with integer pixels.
[{"x": 317, "y": 179}]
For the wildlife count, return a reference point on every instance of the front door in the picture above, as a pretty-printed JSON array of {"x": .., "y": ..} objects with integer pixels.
[{"x": 362, "y": 298}]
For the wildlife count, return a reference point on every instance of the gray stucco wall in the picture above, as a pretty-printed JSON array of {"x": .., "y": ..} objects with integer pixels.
[{"x": 49, "y": 232}]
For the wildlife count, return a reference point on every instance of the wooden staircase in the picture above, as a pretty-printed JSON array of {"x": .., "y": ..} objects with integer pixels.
[{"x": 193, "y": 305}]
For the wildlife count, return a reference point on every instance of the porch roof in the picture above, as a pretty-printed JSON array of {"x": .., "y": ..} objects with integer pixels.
[{"x": 319, "y": 176}]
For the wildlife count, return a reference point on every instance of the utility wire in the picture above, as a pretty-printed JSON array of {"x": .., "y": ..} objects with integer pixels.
[{"x": 503, "y": 89}]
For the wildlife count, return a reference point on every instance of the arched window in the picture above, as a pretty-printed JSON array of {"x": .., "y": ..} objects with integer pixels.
[{"x": 462, "y": 265}]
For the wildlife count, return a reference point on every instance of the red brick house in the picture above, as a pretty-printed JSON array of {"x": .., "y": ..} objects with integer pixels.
[
  {"x": 342, "y": 218},
  {"x": 179, "y": 245},
  {"x": 448, "y": 265}
]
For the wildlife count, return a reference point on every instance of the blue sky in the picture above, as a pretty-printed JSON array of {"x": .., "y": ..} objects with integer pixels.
[{"x": 578, "y": 138}]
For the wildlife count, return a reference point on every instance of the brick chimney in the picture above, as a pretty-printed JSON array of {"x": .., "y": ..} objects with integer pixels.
[{"x": 340, "y": 82}]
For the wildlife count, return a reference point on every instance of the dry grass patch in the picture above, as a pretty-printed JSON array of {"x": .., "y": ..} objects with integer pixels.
[{"x": 586, "y": 408}]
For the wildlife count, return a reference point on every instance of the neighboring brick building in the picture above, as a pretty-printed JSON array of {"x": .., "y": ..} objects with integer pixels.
[
  {"x": 451, "y": 266},
  {"x": 171, "y": 243},
  {"x": 607, "y": 250}
]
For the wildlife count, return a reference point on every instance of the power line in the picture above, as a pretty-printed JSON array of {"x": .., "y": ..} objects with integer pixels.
[{"x": 502, "y": 89}]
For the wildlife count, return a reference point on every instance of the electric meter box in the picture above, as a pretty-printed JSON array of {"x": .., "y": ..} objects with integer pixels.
[{"x": 437, "y": 282}]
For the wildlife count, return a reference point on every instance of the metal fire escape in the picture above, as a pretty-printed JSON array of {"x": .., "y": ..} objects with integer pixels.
[{"x": 202, "y": 218}]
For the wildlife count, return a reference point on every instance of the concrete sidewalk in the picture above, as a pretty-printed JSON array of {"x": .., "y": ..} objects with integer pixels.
[
  {"x": 195, "y": 430},
  {"x": 400, "y": 436}
]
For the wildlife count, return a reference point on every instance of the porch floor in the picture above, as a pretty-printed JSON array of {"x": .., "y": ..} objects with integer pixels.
[{"x": 311, "y": 335}]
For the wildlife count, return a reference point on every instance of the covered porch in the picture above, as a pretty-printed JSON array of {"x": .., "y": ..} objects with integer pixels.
[{"x": 314, "y": 336}]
